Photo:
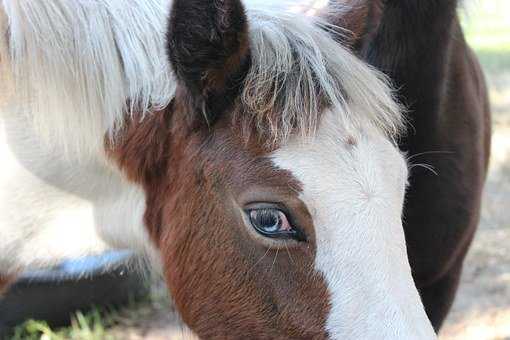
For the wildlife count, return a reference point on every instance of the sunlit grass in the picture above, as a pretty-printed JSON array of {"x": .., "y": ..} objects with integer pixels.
[
  {"x": 84, "y": 326},
  {"x": 97, "y": 323}
]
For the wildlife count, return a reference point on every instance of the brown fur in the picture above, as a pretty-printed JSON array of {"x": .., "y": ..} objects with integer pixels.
[
  {"x": 211, "y": 55},
  {"x": 225, "y": 284}
]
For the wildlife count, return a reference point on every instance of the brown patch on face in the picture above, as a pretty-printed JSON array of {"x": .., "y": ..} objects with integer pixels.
[
  {"x": 225, "y": 284},
  {"x": 226, "y": 280},
  {"x": 140, "y": 149}
]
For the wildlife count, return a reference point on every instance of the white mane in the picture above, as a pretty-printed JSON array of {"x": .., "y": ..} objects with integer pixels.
[
  {"x": 80, "y": 66},
  {"x": 297, "y": 67}
]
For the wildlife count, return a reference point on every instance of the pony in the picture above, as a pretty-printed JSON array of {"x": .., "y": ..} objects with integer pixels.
[{"x": 252, "y": 153}]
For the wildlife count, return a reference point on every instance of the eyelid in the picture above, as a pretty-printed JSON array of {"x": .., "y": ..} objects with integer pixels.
[{"x": 268, "y": 205}]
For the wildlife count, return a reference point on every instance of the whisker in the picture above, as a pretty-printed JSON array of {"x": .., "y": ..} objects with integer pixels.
[
  {"x": 424, "y": 166},
  {"x": 290, "y": 256},
  {"x": 274, "y": 260},
  {"x": 256, "y": 263},
  {"x": 428, "y": 153}
]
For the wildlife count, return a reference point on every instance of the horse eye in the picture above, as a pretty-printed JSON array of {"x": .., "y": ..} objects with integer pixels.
[{"x": 272, "y": 223}]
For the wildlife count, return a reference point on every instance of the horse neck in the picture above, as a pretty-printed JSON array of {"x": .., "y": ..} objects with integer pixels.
[
  {"x": 412, "y": 44},
  {"x": 407, "y": 32}
]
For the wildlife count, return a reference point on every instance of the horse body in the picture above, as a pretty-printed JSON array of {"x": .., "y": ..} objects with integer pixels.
[
  {"x": 257, "y": 116},
  {"x": 59, "y": 191}
]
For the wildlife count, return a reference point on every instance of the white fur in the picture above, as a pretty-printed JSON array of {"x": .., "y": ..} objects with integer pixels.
[
  {"x": 78, "y": 63},
  {"x": 63, "y": 199},
  {"x": 355, "y": 196},
  {"x": 297, "y": 65},
  {"x": 52, "y": 209}
]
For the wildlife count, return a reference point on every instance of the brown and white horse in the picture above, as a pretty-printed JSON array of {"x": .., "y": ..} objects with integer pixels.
[{"x": 251, "y": 152}]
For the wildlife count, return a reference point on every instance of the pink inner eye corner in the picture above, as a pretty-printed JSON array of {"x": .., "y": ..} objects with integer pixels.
[{"x": 285, "y": 225}]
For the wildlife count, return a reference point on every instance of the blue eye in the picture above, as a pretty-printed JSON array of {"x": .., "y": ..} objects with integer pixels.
[{"x": 272, "y": 223}]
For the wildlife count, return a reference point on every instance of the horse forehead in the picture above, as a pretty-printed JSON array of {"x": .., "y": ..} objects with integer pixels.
[
  {"x": 354, "y": 187},
  {"x": 338, "y": 164}
]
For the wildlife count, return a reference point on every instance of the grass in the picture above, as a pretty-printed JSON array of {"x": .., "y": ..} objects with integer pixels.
[
  {"x": 95, "y": 324},
  {"x": 98, "y": 323},
  {"x": 487, "y": 27},
  {"x": 84, "y": 326}
]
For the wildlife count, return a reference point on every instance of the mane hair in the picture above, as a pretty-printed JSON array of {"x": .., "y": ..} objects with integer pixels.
[
  {"x": 298, "y": 68},
  {"x": 81, "y": 66}
]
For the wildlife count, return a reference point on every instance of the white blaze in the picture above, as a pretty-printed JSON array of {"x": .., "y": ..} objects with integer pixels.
[{"x": 355, "y": 196}]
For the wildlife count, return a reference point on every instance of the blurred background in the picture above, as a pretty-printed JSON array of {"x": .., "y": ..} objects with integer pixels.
[{"x": 482, "y": 307}]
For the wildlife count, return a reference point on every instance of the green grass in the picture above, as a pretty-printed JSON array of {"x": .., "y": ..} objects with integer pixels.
[
  {"x": 92, "y": 325},
  {"x": 98, "y": 322}
]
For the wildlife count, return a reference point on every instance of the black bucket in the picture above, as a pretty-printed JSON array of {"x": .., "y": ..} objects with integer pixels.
[{"x": 53, "y": 295}]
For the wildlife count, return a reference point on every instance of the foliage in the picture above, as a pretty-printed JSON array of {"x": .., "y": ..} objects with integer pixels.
[{"x": 84, "y": 326}]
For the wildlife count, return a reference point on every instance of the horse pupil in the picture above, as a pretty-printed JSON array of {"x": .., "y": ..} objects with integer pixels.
[{"x": 267, "y": 219}]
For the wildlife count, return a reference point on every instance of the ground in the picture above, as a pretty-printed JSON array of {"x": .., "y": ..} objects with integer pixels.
[{"x": 482, "y": 308}]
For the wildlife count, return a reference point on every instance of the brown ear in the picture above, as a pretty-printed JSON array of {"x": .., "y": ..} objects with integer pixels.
[
  {"x": 353, "y": 21},
  {"x": 209, "y": 51}
]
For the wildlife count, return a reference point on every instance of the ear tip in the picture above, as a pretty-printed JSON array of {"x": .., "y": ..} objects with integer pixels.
[
  {"x": 207, "y": 42},
  {"x": 198, "y": 7},
  {"x": 199, "y": 17}
]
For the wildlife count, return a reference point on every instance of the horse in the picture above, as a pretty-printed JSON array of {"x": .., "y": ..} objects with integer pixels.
[{"x": 256, "y": 155}]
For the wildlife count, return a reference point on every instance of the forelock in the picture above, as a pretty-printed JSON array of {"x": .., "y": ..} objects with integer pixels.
[{"x": 298, "y": 69}]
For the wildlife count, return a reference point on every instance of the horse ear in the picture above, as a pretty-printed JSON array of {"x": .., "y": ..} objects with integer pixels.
[
  {"x": 353, "y": 21},
  {"x": 209, "y": 51}
]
